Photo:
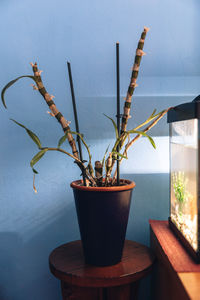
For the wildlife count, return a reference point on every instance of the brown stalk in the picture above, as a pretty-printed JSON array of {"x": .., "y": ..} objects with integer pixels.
[
  {"x": 54, "y": 111},
  {"x": 129, "y": 144},
  {"x": 134, "y": 75},
  {"x": 98, "y": 169},
  {"x": 58, "y": 115},
  {"x": 131, "y": 88},
  {"x": 98, "y": 172},
  {"x": 109, "y": 166}
]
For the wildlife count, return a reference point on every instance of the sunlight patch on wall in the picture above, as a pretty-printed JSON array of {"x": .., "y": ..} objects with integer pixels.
[{"x": 142, "y": 157}]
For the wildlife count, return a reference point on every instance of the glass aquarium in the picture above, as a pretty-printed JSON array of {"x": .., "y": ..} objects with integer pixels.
[{"x": 184, "y": 175}]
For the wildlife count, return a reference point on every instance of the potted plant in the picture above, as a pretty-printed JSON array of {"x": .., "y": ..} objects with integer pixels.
[{"x": 102, "y": 199}]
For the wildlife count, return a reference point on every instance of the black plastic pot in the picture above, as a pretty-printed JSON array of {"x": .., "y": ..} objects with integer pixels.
[{"x": 103, "y": 217}]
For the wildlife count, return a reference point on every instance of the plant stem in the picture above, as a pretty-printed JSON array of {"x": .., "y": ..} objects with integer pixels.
[
  {"x": 129, "y": 144},
  {"x": 131, "y": 88},
  {"x": 54, "y": 110},
  {"x": 63, "y": 151},
  {"x": 79, "y": 162},
  {"x": 108, "y": 168},
  {"x": 98, "y": 172},
  {"x": 134, "y": 75}
]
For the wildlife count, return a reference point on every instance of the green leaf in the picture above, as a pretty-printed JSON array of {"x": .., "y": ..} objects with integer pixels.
[
  {"x": 36, "y": 158},
  {"x": 150, "y": 118},
  {"x": 62, "y": 140},
  {"x": 119, "y": 154},
  {"x": 103, "y": 160},
  {"x": 9, "y": 84},
  {"x": 34, "y": 171},
  {"x": 145, "y": 135},
  {"x": 32, "y": 135},
  {"x": 115, "y": 126},
  {"x": 120, "y": 141},
  {"x": 153, "y": 114},
  {"x": 151, "y": 141}
]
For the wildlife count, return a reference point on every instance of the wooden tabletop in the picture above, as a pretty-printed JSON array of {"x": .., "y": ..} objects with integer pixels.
[
  {"x": 67, "y": 264},
  {"x": 174, "y": 256}
]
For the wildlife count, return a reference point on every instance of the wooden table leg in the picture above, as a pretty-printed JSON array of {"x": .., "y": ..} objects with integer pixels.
[
  {"x": 70, "y": 292},
  {"x": 119, "y": 292},
  {"x": 135, "y": 290},
  {"x": 123, "y": 292},
  {"x": 104, "y": 294}
]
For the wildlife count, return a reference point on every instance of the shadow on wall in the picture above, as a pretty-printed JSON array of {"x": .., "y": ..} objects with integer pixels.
[
  {"x": 24, "y": 265},
  {"x": 150, "y": 200}
]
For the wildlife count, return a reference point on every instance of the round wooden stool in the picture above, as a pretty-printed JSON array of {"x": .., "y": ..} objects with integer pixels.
[{"x": 84, "y": 282}]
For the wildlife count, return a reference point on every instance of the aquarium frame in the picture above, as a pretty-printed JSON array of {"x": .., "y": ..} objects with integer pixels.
[
  {"x": 182, "y": 112},
  {"x": 185, "y": 111}
]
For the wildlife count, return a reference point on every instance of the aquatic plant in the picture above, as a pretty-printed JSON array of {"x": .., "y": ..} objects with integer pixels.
[{"x": 179, "y": 186}]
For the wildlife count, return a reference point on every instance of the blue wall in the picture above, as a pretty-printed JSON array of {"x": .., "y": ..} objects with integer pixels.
[{"x": 84, "y": 32}]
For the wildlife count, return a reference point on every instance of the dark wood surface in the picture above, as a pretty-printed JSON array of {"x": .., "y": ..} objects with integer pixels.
[
  {"x": 175, "y": 253},
  {"x": 67, "y": 264},
  {"x": 176, "y": 275},
  {"x": 122, "y": 292}
]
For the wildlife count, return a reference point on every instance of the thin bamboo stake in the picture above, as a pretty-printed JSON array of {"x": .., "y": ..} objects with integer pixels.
[
  {"x": 75, "y": 117},
  {"x": 118, "y": 107}
]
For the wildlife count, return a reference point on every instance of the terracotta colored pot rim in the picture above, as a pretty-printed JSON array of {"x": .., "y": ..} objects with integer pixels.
[{"x": 127, "y": 186}]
